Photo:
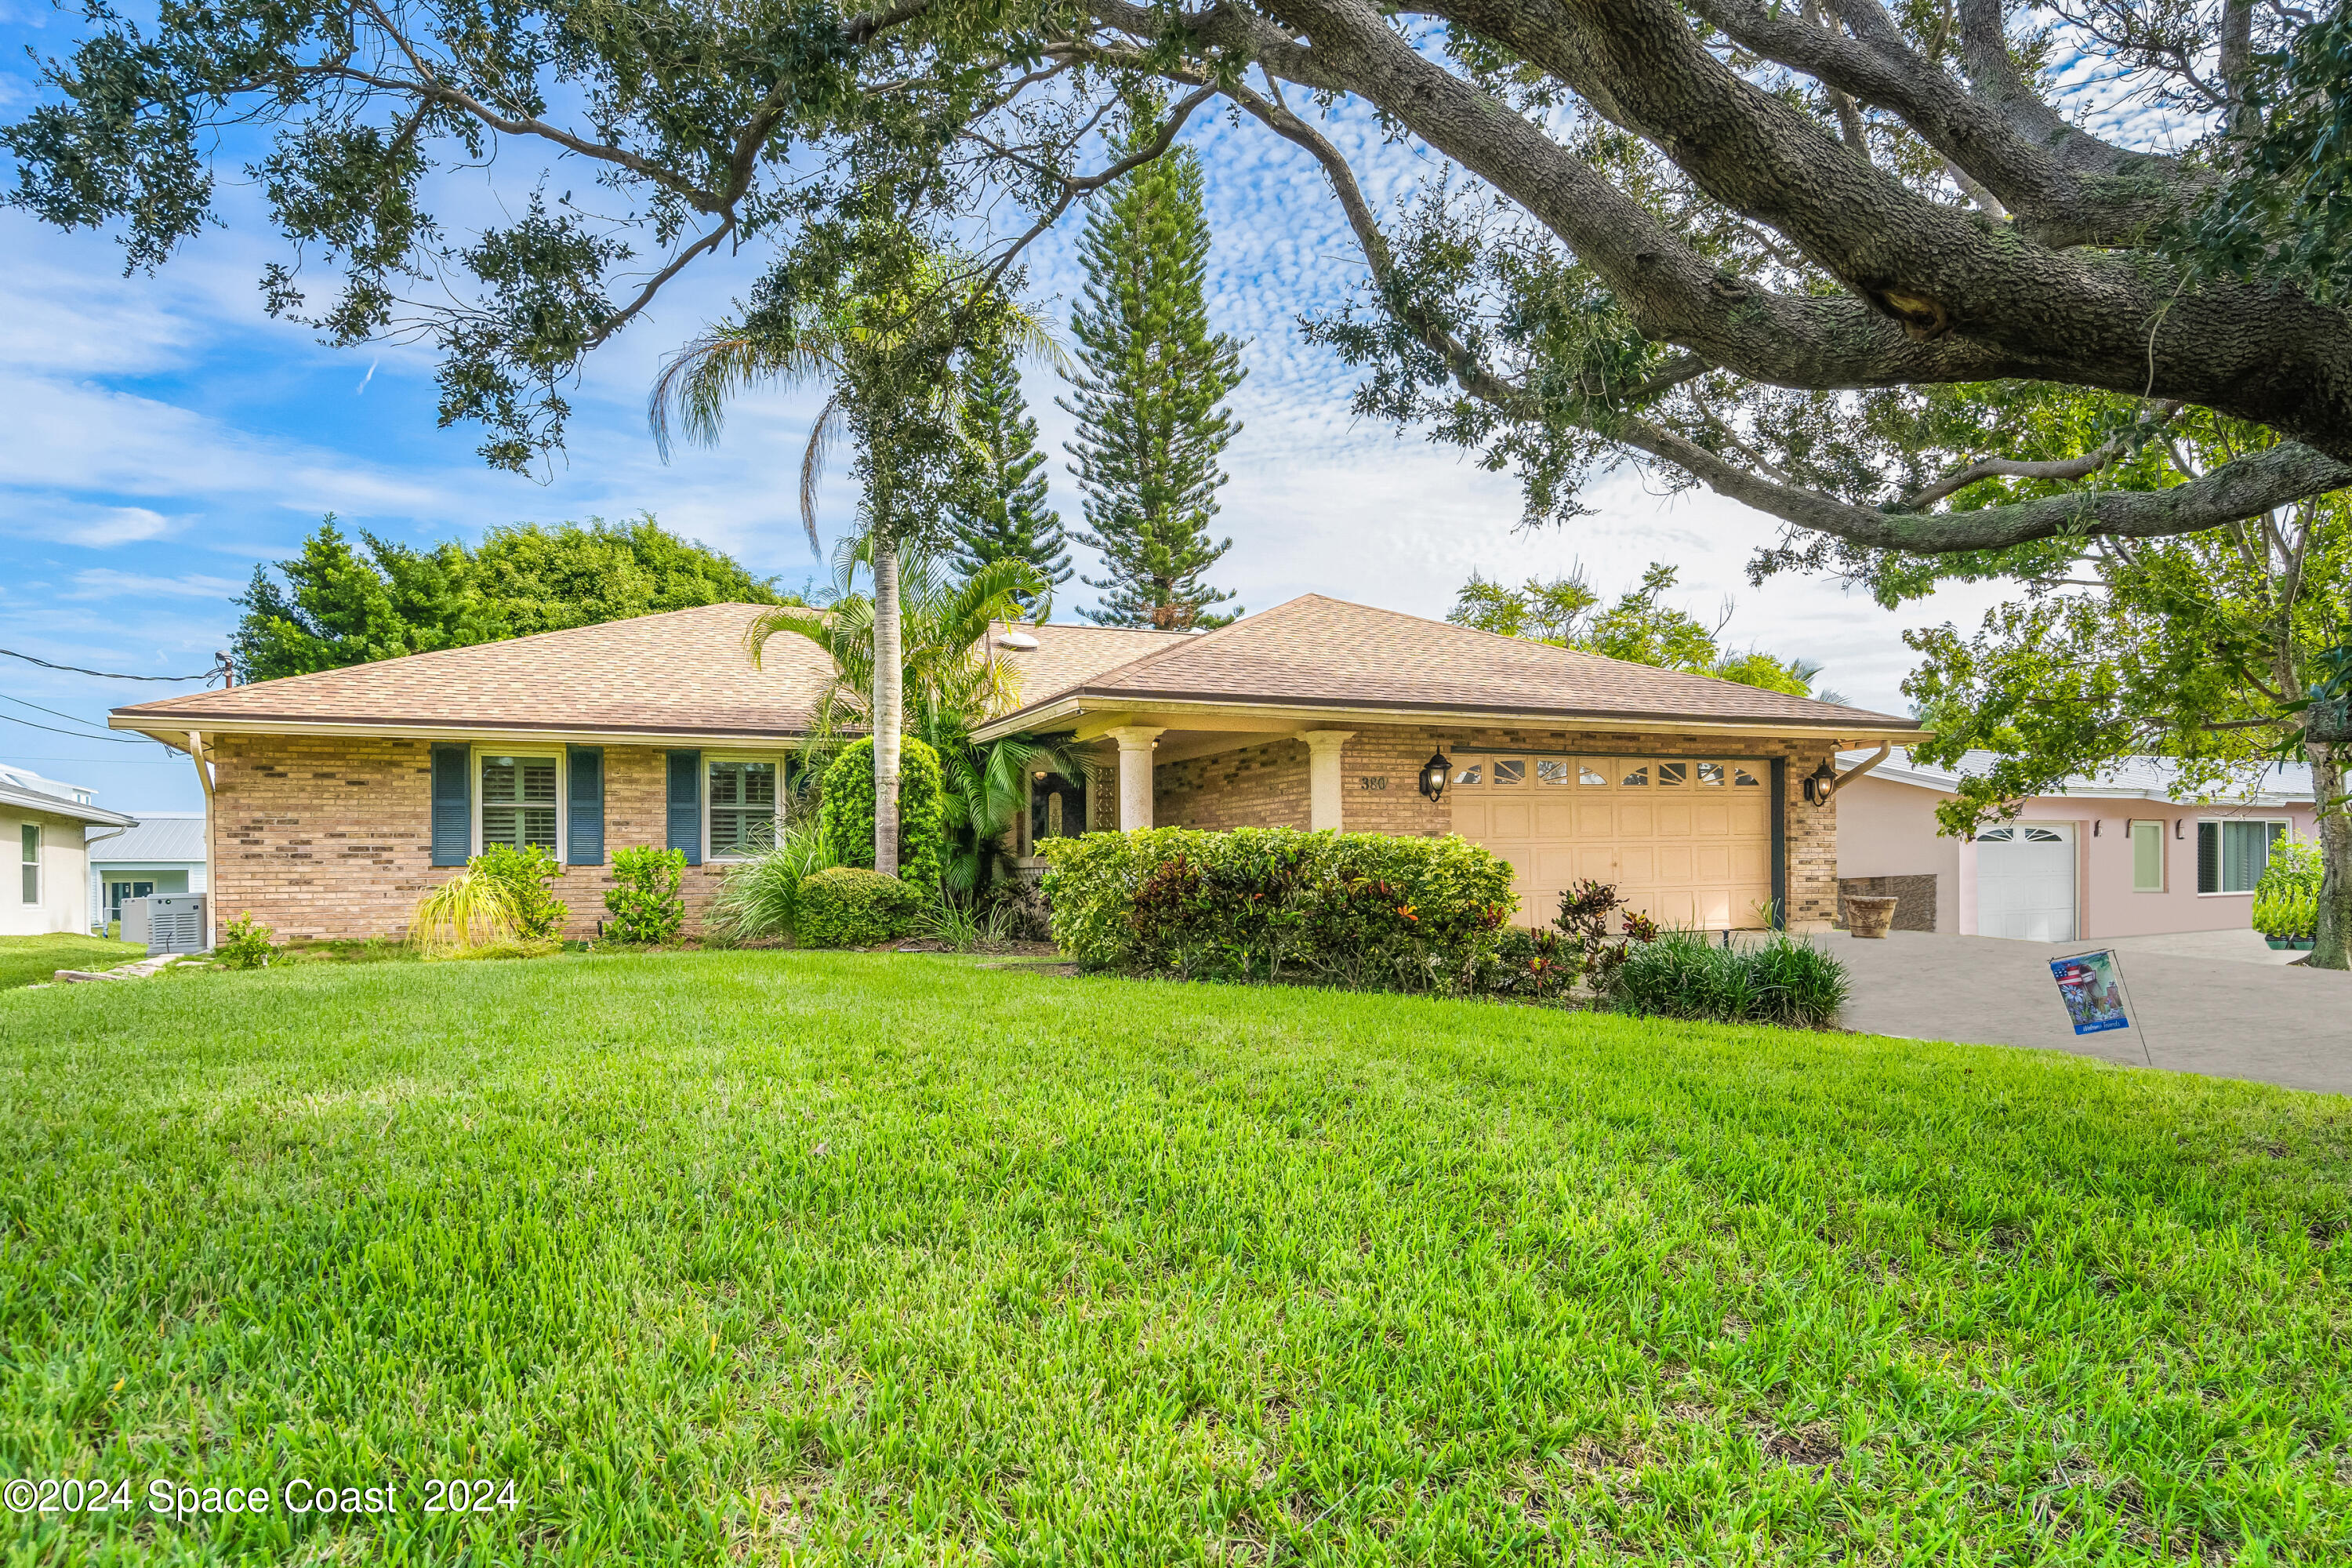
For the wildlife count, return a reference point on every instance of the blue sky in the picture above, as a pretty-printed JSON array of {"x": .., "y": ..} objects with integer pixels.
[{"x": 165, "y": 438}]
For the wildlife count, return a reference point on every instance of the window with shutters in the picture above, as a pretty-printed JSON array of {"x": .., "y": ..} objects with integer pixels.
[
  {"x": 2147, "y": 856},
  {"x": 2233, "y": 854},
  {"x": 521, "y": 801},
  {"x": 29, "y": 850},
  {"x": 742, "y": 806}
]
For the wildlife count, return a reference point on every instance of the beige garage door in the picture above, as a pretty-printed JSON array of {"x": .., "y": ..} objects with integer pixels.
[{"x": 1687, "y": 841}]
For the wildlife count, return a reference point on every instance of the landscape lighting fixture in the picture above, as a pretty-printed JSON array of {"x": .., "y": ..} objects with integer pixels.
[
  {"x": 1433, "y": 775},
  {"x": 1820, "y": 783}
]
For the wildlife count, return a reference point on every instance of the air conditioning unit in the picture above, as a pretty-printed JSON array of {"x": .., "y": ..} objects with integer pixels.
[{"x": 167, "y": 922}]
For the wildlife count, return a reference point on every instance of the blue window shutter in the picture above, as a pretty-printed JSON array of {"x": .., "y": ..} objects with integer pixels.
[
  {"x": 685, "y": 804},
  {"x": 586, "y": 847},
  {"x": 453, "y": 804}
]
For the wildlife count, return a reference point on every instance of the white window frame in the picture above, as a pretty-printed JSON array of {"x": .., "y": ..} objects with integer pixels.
[
  {"x": 563, "y": 791},
  {"x": 40, "y": 872},
  {"x": 2222, "y": 839},
  {"x": 703, "y": 785},
  {"x": 2163, "y": 855}
]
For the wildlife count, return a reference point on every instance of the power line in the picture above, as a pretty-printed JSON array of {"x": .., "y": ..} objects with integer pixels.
[
  {"x": 68, "y": 718},
  {"x": 76, "y": 734},
  {"x": 104, "y": 674}
]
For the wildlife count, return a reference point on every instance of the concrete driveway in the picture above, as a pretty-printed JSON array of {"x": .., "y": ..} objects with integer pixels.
[{"x": 2221, "y": 1017}]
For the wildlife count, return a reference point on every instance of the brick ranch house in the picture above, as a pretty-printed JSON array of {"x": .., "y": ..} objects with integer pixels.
[{"x": 337, "y": 799}]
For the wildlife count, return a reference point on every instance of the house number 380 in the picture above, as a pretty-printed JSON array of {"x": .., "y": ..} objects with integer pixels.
[{"x": 1368, "y": 782}]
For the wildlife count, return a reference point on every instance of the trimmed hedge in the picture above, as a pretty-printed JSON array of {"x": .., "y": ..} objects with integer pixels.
[
  {"x": 1365, "y": 910},
  {"x": 853, "y": 905},
  {"x": 845, "y": 818}
]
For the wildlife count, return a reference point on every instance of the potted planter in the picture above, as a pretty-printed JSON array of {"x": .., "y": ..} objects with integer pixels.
[{"x": 1869, "y": 916}]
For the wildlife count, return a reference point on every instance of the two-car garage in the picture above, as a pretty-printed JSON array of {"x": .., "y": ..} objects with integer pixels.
[{"x": 1687, "y": 841}]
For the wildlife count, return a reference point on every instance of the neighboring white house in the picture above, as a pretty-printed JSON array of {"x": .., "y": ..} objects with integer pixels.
[
  {"x": 164, "y": 852},
  {"x": 43, "y": 827},
  {"x": 2121, "y": 854}
]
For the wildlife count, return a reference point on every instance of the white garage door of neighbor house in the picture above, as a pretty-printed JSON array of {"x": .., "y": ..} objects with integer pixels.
[
  {"x": 1688, "y": 841},
  {"x": 2025, "y": 882}
]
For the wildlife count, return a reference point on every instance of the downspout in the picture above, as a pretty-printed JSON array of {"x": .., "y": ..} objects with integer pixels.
[
  {"x": 89, "y": 875},
  {"x": 1855, "y": 772},
  {"x": 212, "y": 861}
]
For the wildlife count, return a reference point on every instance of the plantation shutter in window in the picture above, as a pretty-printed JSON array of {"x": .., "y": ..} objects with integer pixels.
[
  {"x": 685, "y": 804},
  {"x": 586, "y": 830},
  {"x": 453, "y": 814}
]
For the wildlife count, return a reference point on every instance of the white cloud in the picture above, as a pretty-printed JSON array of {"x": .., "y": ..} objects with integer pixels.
[{"x": 102, "y": 582}]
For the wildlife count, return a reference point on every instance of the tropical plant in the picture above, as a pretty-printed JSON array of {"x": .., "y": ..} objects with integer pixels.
[
  {"x": 954, "y": 924},
  {"x": 1688, "y": 975},
  {"x": 850, "y": 906},
  {"x": 1149, "y": 395},
  {"x": 525, "y": 873},
  {"x": 643, "y": 899},
  {"x": 885, "y": 340},
  {"x": 758, "y": 901},
  {"x": 2286, "y": 898},
  {"x": 467, "y": 911},
  {"x": 244, "y": 945}
]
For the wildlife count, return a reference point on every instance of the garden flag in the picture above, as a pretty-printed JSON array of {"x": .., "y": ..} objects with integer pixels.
[{"x": 2093, "y": 994}]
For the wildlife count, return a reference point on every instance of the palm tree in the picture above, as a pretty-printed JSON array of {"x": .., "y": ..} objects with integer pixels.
[
  {"x": 886, "y": 349},
  {"x": 952, "y": 679}
]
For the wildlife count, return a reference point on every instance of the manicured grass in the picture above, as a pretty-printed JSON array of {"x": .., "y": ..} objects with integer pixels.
[
  {"x": 27, "y": 959},
  {"x": 857, "y": 1258}
]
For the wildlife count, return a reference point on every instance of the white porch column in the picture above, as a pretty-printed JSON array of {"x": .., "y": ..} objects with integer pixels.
[
  {"x": 1135, "y": 743},
  {"x": 1324, "y": 808}
]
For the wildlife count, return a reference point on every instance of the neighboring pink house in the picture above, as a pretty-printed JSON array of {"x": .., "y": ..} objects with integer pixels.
[{"x": 2117, "y": 855}]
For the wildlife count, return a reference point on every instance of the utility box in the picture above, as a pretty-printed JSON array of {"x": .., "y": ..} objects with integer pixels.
[{"x": 167, "y": 922}]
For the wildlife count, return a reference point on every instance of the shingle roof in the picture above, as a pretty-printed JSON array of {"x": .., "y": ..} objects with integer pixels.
[
  {"x": 1065, "y": 655},
  {"x": 685, "y": 672},
  {"x": 176, "y": 835},
  {"x": 1315, "y": 651}
]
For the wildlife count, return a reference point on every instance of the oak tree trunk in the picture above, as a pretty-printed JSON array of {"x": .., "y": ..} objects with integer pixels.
[
  {"x": 889, "y": 679},
  {"x": 2334, "y": 855}
]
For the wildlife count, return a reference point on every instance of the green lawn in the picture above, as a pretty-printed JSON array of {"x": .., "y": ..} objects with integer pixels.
[
  {"x": 27, "y": 959},
  {"x": 856, "y": 1258}
]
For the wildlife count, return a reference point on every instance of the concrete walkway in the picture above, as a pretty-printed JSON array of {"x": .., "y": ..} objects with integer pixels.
[{"x": 2221, "y": 1017}]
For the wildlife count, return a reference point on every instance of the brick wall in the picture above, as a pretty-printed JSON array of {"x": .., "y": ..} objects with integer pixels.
[
  {"x": 331, "y": 836},
  {"x": 1266, "y": 786}
]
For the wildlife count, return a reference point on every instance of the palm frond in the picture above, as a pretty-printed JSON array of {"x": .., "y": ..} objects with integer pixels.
[
  {"x": 830, "y": 421},
  {"x": 697, "y": 383}
]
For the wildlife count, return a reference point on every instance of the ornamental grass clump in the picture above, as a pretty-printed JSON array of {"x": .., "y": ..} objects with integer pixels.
[
  {"x": 469, "y": 910},
  {"x": 760, "y": 900},
  {"x": 1363, "y": 910}
]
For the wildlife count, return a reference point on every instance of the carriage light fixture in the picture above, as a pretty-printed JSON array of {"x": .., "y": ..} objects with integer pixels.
[
  {"x": 1433, "y": 775},
  {"x": 1820, "y": 783}
]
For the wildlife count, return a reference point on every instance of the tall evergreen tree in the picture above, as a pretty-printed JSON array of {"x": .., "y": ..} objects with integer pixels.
[
  {"x": 1148, "y": 394},
  {"x": 998, "y": 510}
]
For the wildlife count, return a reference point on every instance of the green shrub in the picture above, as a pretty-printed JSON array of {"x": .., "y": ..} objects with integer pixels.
[
  {"x": 846, "y": 815},
  {"x": 2287, "y": 898},
  {"x": 644, "y": 899},
  {"x": 1358, "y": 910},
  {"x": 854, "y": 906},
  {"x": 760, "y": 899},
  {"x": 245, "y": 945},
  {"x": 1685, "y": 975},
  {"x": 525, "y": 874}
]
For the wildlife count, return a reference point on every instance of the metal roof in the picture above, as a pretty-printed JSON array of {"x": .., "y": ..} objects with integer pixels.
[
  {"x": 160, "y": 836},
  {"x": 55, "y": 806},
  {"x": 2129, "y": 778}
]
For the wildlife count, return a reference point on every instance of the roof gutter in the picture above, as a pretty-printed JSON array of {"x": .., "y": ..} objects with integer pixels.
[
  {"x": 1063, "y": 711},
  {"x": 175, "y": 734}
]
